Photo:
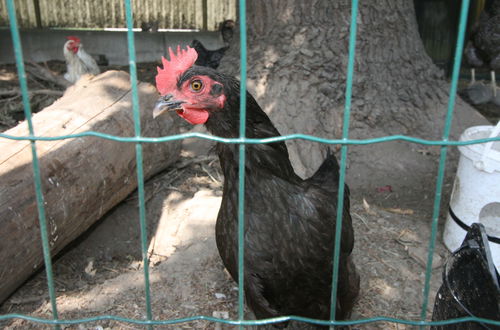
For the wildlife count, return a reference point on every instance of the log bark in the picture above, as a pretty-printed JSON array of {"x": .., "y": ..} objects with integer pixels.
[{"x": 82, "y": 178}]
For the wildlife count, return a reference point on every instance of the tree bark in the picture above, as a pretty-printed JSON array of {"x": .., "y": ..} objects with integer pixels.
[
  {"x": 298, "y": 53},
  {"x": 82, "y": 178}
]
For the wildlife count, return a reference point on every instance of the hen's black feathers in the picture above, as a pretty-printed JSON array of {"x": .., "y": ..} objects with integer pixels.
[
  {"x": 208, "y": 58},
  {"x": 289, "y": 222},
  {"x": 212, "y": 58},
  {"x": 483, "y": 48}
]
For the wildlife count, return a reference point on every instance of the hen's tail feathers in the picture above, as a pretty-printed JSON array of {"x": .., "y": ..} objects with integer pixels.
[
  {"x": 328, "y": 173},
  {"x": 198, "y": 46},
  {"x": 327, "y": 177}
]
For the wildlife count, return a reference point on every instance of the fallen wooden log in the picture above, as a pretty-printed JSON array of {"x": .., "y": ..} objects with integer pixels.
[{"x": 82, "y": 178}]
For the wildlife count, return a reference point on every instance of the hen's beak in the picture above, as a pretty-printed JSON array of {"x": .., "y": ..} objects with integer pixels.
[{"x": 165, "y": 103}]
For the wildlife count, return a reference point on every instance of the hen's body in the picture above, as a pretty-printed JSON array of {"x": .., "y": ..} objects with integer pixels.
[
  {"x": 209, "y": 58},
  {"x": 289, "y": 225},
  {"x": 212, "y": 58},
  {"x": 78, "y": 63},
  {"x": 483, "y": 50},
  {"x": 484, "y": 45},
  {"x": 289, "y": 236}
]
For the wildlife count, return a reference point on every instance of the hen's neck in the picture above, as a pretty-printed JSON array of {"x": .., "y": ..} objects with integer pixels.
[{"x": 260, "y": 159}]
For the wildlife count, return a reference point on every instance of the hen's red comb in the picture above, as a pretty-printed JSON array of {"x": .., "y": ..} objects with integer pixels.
[
  {"x": 75, "y": 39},
  {"x": 166, "y": 79}
]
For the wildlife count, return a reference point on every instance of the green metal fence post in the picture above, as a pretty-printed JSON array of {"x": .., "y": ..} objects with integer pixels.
[
  {"x": 443, "y": 152},
  {"x": 138, "y": 157},
  {"x": 36, "y": 167},
  {"x": 343, "y": 157},
  {"x": 241, "y": 164}
]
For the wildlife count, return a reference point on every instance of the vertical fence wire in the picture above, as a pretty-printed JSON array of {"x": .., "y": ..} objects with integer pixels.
[
  {"x": 18, "y": 52},
  {"x": 241, "y": 164},
  {"x": 343, "y": 156},
  {"x": 443, "y": 153},
  {"x": 139, "y": 158}
]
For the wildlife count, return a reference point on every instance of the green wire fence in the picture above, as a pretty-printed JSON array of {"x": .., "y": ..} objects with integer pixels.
[{"x": 444, "y": 143}]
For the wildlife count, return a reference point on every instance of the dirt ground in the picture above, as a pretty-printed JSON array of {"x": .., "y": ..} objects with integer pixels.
[{"x": 102, "y": 272}]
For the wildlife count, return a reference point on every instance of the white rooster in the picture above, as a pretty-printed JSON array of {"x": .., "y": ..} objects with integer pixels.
[{"x": 78, "y": 61}]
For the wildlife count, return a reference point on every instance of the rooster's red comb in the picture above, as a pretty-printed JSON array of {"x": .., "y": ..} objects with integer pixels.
[
  {"x": 166, "y": 79},
  {"x": 75, "y": 39}
]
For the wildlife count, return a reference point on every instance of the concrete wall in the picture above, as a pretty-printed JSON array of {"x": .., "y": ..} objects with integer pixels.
[{"x": 45, "y": 45}]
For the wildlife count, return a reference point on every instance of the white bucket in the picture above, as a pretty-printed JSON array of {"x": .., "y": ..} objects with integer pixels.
[{"x": 476, "y": 191}]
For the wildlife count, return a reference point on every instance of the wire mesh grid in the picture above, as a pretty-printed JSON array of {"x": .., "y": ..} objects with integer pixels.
[{"x": 138, "y": 140}]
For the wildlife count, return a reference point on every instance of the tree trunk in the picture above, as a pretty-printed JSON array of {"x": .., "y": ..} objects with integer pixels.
[
  {"x": 297, "y": 55},
  {"x": 82, "y": 178}
]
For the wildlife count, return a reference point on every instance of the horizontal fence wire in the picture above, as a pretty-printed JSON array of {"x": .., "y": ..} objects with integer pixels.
[
  {"x": 444, "y": 143},
  {"x": 246, "y": 322},
  {"x": 305, "y": 137}
]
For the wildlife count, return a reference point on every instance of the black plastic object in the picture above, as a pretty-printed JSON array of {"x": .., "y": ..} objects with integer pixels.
[{"x": 470, "y": 284}]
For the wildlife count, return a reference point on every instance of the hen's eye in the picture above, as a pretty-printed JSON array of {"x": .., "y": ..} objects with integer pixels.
[{"x": 196, "y": 85}]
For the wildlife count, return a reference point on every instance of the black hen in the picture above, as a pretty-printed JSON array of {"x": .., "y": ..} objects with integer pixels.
[
  {"x": 289, "y": 222},
  {"x": 209, "y": 58},
  {"x": 212, "y": 58},
  {"x": 483, "y": 50}
]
